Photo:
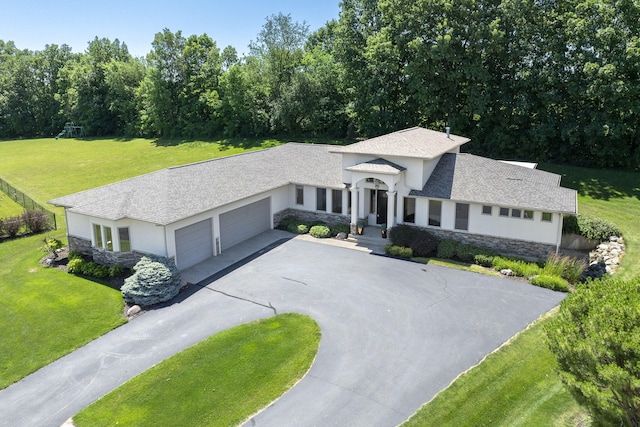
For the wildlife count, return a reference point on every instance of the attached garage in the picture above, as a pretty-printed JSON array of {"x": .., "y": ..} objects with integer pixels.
[
  {"x": 243, "y": 223},
  {"x": 194, "y": 243}
]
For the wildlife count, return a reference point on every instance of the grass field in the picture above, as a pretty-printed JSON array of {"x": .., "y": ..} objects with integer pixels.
[
  {"x": 230, "y": 376},
  {"x": 8, "y": 207}
]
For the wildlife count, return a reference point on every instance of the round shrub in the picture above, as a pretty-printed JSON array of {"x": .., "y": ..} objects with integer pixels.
[
  {"x": 447, "y": 248},
  {"x": 402, "y": 235},
  {"x": 483, "y": 260},
  {"x": 425, "y": 245},
  {"x": 550, "y": 282},
  {"x": 155, "y": 280},
  {"x": 399, "y": 251},
  {"x": 298, "y": 228},
  {"x": 590, "y": 227},
  {"x": 116, "y": 271},
  {"x": 75, "y": 265},
  {"x": 320, "y": 231},
  {"x": 286, "y": 221}
]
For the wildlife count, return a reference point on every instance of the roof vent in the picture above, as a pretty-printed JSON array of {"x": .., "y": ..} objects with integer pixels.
[{"x": 448, "y": 130}]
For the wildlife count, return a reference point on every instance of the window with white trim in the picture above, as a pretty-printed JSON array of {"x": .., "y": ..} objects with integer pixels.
[
  {"x": 299, "y": 195},
  {"x": 102, "y": 237},
  {"x": 487, "y": 210},
  {"x": 528, "y": 215},
  {"x": 462, "y": 216},
  {"x": 336, "y": 201},
  {"x": 321, "y": 199},
  {"x": 124, "y": 239},
  {"x": 516, "y": 213},
  {"x": 547, "y": 216},
  {"x": 435, "y": 212},
  {"x": 504, "y": 211}
]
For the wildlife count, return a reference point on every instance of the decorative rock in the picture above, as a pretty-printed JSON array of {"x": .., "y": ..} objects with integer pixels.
[
  {"x": 506, "y": 272},
  {"x": 133, "y": 310},
  {"x": 341, "y": 236},
  {"x": 49, "y": 262},
  {"x": 605, "y": 258}
]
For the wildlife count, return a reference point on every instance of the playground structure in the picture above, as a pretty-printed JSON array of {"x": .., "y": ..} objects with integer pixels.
[{"x": 71, "y": 131}]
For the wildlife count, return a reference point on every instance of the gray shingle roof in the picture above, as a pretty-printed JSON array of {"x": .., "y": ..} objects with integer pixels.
[
  {"x": 176, "y": 193},
  {"x": 413, "y": 142},
  {"x": 473, "y": 179}
]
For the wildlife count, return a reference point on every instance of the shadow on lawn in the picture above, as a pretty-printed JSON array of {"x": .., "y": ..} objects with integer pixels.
[{"x": 600, "y": 184}]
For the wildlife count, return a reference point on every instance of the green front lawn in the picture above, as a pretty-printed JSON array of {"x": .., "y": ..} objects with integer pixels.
[
  {"x": 514, "y": 386},
  {"x": 220, "y": 381},
  {"x": 46, "y": 313},
  {"x": 8, "y": 207}
]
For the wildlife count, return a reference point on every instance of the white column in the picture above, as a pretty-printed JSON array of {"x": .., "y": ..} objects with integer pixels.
[
  {"x": 391, "y": 200},
  {"x": 345, "y": 202},
  {"x": 354, "y": 208}
]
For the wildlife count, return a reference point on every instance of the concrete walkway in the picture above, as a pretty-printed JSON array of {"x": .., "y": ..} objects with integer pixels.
[{"x": 394, "y": 333}]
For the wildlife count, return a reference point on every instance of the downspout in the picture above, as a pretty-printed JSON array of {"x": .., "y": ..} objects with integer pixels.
[{"x": 559, "y": 238}]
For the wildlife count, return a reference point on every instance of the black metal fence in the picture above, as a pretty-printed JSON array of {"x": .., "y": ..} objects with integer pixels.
[{"x": 26, "y": 202}]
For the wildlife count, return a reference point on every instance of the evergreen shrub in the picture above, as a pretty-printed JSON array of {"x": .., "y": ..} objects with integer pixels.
[
  {"x": 155, "y": 280},
  {"x": 399, "y": 251},
  {"x": 447, "y": 248},
  {"x": 320, "y": 231}
]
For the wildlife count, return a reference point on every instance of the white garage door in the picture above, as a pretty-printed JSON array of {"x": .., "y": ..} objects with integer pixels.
[
  {"x": 240, "y": 224},
  {"x": 194, "y": 243}
]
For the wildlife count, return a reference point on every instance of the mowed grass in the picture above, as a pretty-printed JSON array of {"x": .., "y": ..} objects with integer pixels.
[
  {"x": 220, "y": 381},
  {"x": 514, "y": 386},
  {"x": 8, "y": 207},
  {"x": 613, "y": 195},
  {"x": 45, "y": 313}
]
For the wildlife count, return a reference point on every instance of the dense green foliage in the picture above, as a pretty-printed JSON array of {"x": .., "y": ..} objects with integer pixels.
[
  {"x": 155, "y": 280},
  {"x": 220, "y": 381},
  {"x": 320, "y": 231},
  {"x": 533, "y": 80},
  {"x": 550, "y": 282},
  {"x": 420, "y": 240},
  {"x": 592, "y": 228},
  {"x": 399, "y": 251},
  {"x": 596, "y": 340}
]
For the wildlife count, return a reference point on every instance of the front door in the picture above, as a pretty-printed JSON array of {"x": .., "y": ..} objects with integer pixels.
[{"x": 381, "y": 217}]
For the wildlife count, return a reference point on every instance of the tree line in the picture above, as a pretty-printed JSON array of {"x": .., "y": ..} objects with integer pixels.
[{"x": 541, "y": 80}]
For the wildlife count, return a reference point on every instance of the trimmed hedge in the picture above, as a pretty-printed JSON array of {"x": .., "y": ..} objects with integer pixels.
[
  {"x": 550, "y": 282},
  {"x": 421, "y": 241},
  {"x": 340, "y": 228},
  {"x": 399, "y": 251},
  {"x": 447, "y": 248}
]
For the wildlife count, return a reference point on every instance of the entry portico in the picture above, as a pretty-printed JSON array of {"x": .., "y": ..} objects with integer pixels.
[{"x": 380, "y": 172}]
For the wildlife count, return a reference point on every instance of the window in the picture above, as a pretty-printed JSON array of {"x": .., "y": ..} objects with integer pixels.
[
  {"x": 528, "y": 214},
  {"x": 299, "y": 195},
  {"x": 97, "y": 236},
  {"x": 321, "y": 199},
  {"x": 487, "y": 210},
  {"x": 462, "y": 216},
  {"x": 102, "y": 237},
  {"x": 410, "y": 210},
  {"x": 108, "y": 238},
  {"x": 547, "y": 216},
  {"x": 516, "y": 213},
  {"x": 336, "y": 201},
  {"x": 504, "y": 211},
  {"x": 123, "y": 236},
  {"x": 435, "y": 212}
]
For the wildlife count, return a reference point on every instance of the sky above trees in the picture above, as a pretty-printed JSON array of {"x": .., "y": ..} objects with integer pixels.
[{"x": 32, "y": 24}]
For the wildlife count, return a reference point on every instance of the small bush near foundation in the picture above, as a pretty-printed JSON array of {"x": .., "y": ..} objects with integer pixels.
[
  {"x": 424, "y": 245},
  {"x": 286, "y": 221},
  {"x": 484, "y": 260},
  {"x": 155, "y": 280},
  {"x": 468, "y": 253},
  {"x": 94, "y": 270},
  {"x": 402, "y": 235},
  {"x": 550, "y": 282},
  {"x": 75, "y": 255},
  {"x": 298, "y": 228},
  {"x": 320, "y": 231},
  {"x": 447, "y": 248},
  {"x": 116, "y": 271},
  {"x": 75, "y": 265},
  {"x": 340, "y": 228},
  {"x": 399, "y": 251}
]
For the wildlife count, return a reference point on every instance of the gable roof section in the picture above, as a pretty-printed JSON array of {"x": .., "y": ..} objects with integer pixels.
[
  {"x": 474, "y": 179},
  {"x": 382, "y": 166},
  {"x": 414, "y": 142},
  {"x": 172, "y": 194}
]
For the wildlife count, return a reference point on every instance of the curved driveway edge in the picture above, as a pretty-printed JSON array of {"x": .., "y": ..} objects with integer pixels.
[{"x": 394, "y": 333}]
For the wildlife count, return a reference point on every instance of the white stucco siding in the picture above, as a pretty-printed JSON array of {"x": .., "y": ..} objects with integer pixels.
[
  {"x": 427, "y": 169},
  {"x": 534, "y": 230},
  {"x": 145, "y": 237},
  {"x": 78, "y": 225}
]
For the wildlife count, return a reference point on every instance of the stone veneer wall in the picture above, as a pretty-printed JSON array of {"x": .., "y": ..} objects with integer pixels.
[
  {"x": 126, "y": 259},
  {"x": 311, "y": 216},
  {"x": 522, "y": 248}
]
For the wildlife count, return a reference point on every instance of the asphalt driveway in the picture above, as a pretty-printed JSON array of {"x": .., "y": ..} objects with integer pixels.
[{"x": 394, "y": 333}]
